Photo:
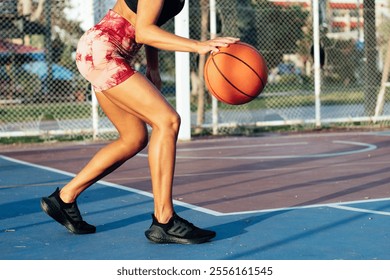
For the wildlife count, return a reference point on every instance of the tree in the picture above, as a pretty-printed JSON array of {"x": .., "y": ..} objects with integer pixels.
[
  {"x": 273, "y": 30},
  {"x": 36, "y": 17},
  {"x": 246, "y": 17},
  {"x": 279, "y": 29},
  {"x": 199, "y": 10},
  {"x": 371, "y": 70},
  {"x": 33, "y": 13},
  {"x": 201, "y": 63}
]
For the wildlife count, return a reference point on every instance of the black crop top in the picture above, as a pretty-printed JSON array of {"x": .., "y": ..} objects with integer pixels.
[{"x": 170, "y": 9}]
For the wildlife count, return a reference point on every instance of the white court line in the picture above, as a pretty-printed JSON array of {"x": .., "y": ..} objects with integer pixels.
[
  {"x": 339, "y": 205},
  {"x": 368, "y": 147},
  {"x": 242, "y": 146},
  {"x": 129, "y": 189},
  {"x": 216, "y": 213},
  {"x": 354, "y": 209}
]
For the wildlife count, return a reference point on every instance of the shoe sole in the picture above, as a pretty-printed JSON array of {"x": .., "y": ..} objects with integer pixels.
[
  {"x": 54, "y": 211},
  {"x": 162, "y": 238}
]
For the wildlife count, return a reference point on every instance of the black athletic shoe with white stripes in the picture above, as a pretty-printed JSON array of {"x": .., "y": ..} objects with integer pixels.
[
  {"x": 177, "y": 230},
  {"x": 67, "y": 214}
]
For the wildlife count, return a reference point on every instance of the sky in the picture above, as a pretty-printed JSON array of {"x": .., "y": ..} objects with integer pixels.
[{"x": 82, "y": 10}]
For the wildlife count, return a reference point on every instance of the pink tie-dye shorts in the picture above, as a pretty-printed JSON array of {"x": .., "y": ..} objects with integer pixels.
[{"x": 105, "y": 52}]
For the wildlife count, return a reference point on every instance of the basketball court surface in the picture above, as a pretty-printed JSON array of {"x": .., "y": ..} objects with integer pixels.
[{"x": 311, "y": 196}]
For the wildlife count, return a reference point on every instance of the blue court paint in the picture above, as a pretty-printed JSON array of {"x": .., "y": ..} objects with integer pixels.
[{"x": 122, "y": 216}]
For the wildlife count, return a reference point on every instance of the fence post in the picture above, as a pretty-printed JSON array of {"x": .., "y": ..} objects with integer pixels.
[
  {"x": 213, "y": 34},
  {"x": 182, "y": 68},
  {"x": 317, "y": 66}
]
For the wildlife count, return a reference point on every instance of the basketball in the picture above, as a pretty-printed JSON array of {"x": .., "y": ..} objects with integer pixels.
[{"x": 236, "y": 74}]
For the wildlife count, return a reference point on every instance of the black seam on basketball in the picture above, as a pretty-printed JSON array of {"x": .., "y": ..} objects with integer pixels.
[
  {"x": 208, "y": 81},
  {"x": 262, "y": 82},
  {"x": 214, "y": 92},
  {"x": 216, "y": 66},
  {"x": 226, "y": 79}
]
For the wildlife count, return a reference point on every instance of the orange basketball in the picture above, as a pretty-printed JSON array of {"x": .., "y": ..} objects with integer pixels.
[{"x": 236, "y": 74}]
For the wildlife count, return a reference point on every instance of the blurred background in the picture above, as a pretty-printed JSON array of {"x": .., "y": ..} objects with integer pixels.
[{"x": 43, "y": 97}]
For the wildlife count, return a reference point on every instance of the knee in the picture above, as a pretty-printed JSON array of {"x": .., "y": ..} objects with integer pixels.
[
  {"x": 133, "y": 145},
  {"x": 141, "y": 142},
  {"x": 175, "y": 123},
  {"x": 170, "y": 123}
]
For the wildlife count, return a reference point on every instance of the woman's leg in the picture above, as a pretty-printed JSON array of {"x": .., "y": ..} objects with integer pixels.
[
  {"x": 139, "y": 97},
  {"x": 61, "y": 205},
  {"x": 132, "y": 139},
  {"x": 130, "y": 105}
]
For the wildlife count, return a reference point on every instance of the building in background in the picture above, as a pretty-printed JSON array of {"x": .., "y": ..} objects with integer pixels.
[{"x": 342, "y": 18}]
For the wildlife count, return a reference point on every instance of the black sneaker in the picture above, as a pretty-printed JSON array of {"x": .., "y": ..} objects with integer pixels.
[
  {"x": 67, "y": 214},
  {"x": 177, "y": 230}
]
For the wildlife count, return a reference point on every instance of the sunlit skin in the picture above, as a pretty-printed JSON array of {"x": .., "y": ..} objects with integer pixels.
[{"x": 137, "y": 102}]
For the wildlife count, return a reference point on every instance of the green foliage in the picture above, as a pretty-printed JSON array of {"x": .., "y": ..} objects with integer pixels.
[
  {"x": 273, "y": 30},
  {"x": 279, "y": 29},
  {"x": 48, "y": 111},
  {"x": 343, "y": 60}
]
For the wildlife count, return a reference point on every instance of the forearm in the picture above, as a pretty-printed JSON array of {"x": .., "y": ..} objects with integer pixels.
[
  {"x": 148, "y": 33},
  {"x": 159, "y": 38}
]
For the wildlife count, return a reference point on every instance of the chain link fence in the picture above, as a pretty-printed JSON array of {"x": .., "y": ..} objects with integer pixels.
[{"x": 43, "y": 95}]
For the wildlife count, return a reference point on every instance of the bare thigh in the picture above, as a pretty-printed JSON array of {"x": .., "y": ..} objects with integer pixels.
[
  {"x": 138, "y": 97},
  {"x": 127, "y": 124}
]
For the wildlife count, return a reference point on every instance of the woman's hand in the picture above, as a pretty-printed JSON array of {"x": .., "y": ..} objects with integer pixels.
[{"x": 213, "y": 45}]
